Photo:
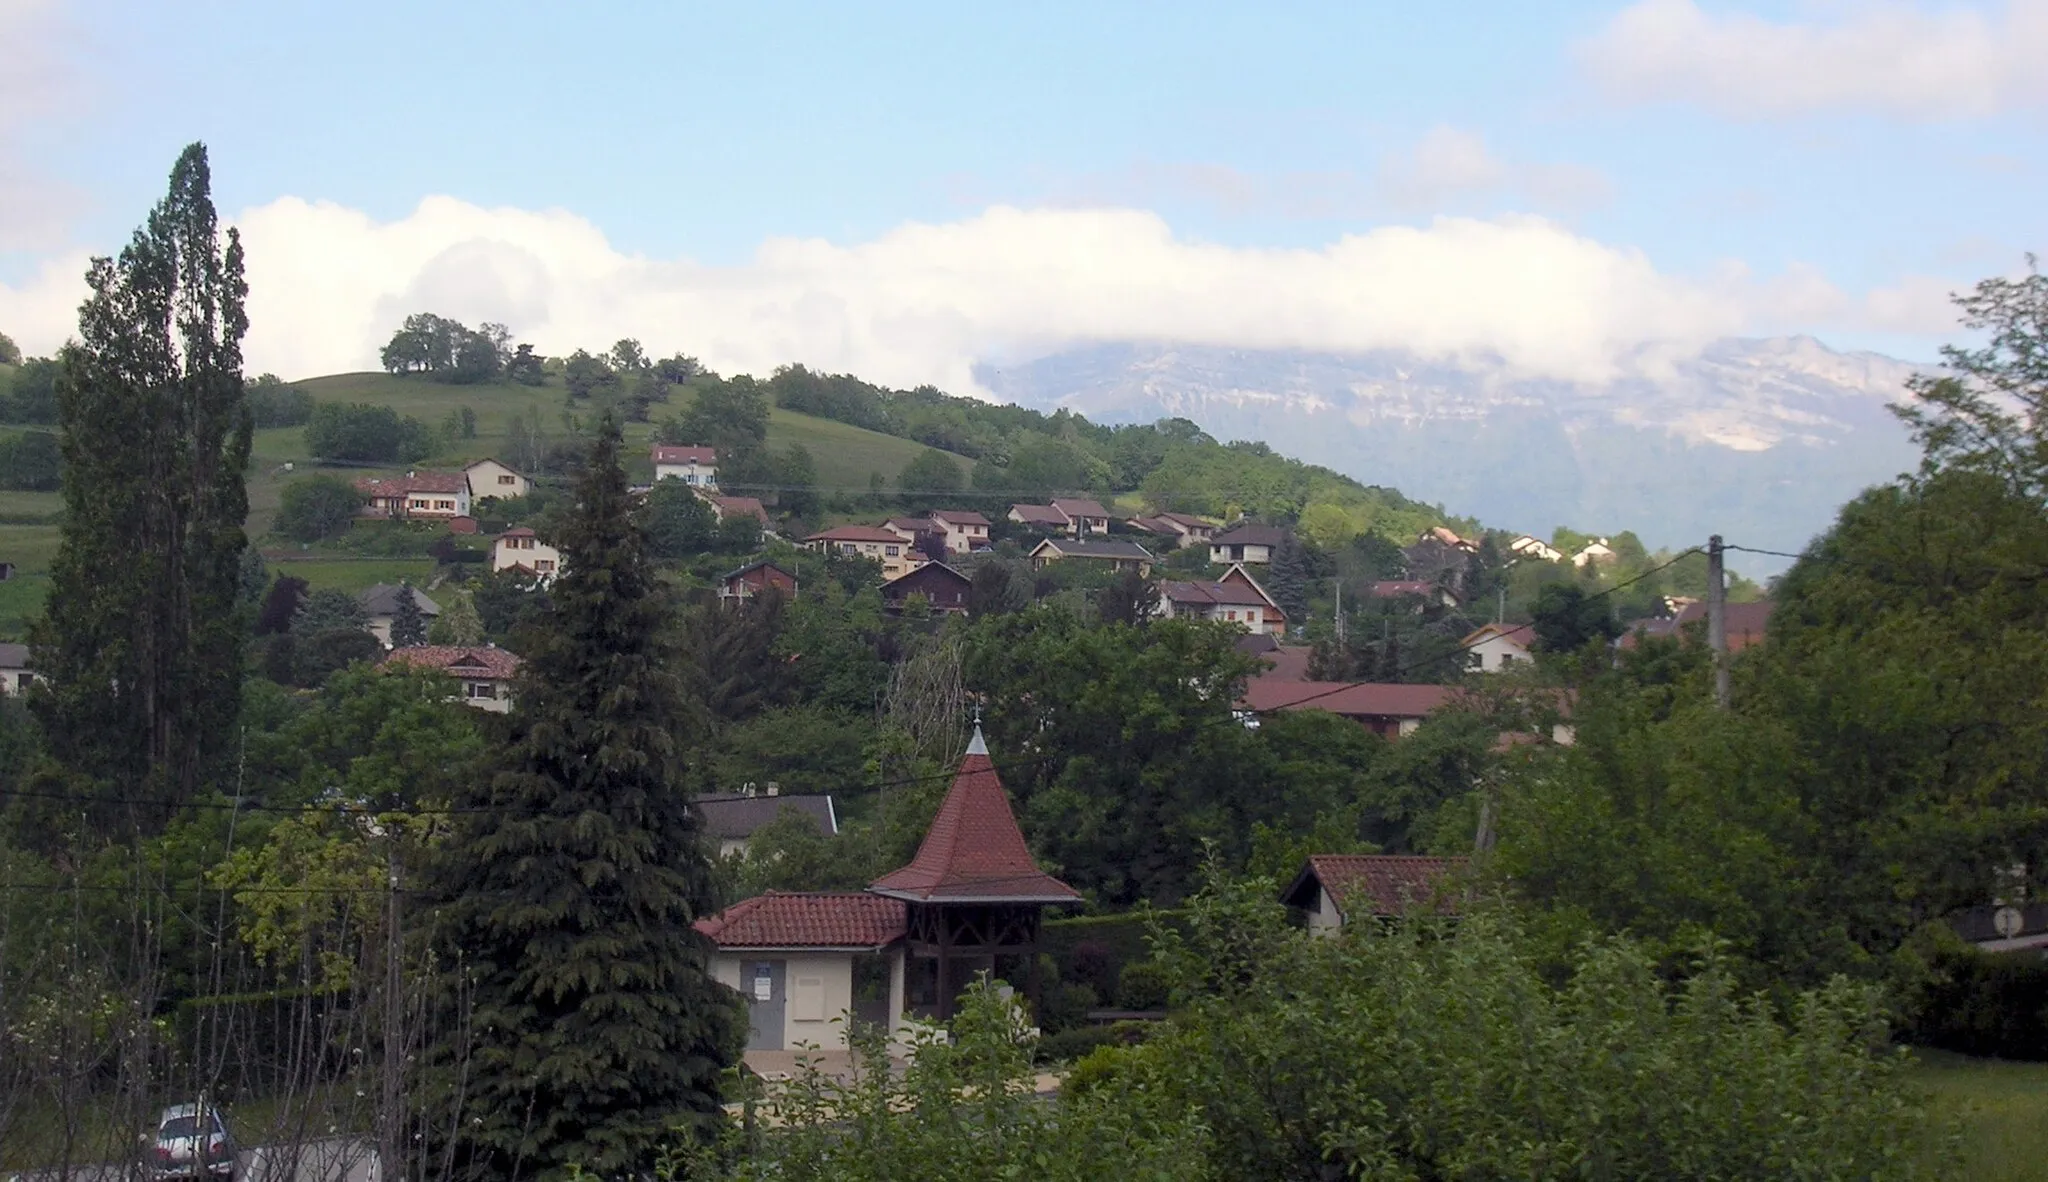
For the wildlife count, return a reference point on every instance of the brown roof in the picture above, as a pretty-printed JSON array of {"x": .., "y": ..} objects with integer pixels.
[
  {"x": 1377, "y": 884},
  {"x": 857, "y": 533},
  {"x": 381, "y": 599},
  {"x": 974, "y": 850},
  {"x": 415, "y": 482},
  {"x": 479, "y": 662},
  {"x": 1745, "y": 623},
  {"x": 1155, "y": 525},
  {"x": 1250, "y": 535},
  {"x": 1205, "y": 594},
  {"x": 959, "y": 516},
  {"x": 695, "y": 453},
  {"x": 13, "y": 656},
  {"x": 1090, "y": 548},
  {"x": 1286, "y": 662},
  {"x": 1353, "y": 699},
  {"x": 520, "y": 532},
  {"x": 849, "y": 919},
  {"x": 1079, "y": 507},
  {"x": 1395, "y": 588},
  {"x": 740, "y": 507},
  {"x": 1188, "y": 520},
  {"x": 1038, "y": 515},
  {"x": 734, "y": 815}
]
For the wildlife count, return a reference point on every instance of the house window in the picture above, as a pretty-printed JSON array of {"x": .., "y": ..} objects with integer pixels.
[
  {"x": 892, "y": 551},
  {"x": 480, "y": 689},
  {"x": 508, "y": 480},
  {"x": 1230, "y": 615},
  {"x": 542, "y": 566},
  {"x": 450, "y": 505},
  {"x": 1507, "y": 658}
]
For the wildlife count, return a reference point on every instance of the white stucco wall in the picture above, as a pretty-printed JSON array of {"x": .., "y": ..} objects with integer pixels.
[
  {"x": 1496, "y": 651},
  {"x": 1324, "y": 920},
  {"x": 818, "y": 991}
]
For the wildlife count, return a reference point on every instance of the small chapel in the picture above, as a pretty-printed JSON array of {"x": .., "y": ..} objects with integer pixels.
[{"x": 810, "y": 963}]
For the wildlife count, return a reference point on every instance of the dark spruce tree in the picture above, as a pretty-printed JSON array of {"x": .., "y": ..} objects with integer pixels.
[
  {"x": 594, "y": 1027},
  {"x": 408, "y": 622},
  {"x": 1288, "y": 580},
  {"x": 141, "y": 646}
]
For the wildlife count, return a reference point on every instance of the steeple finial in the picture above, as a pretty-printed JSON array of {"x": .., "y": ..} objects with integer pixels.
[{"x": 977, "y": 745}]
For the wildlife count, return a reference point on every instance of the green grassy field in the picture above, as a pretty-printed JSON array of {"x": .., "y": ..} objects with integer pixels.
[{"x": 2002, "y": 1109}]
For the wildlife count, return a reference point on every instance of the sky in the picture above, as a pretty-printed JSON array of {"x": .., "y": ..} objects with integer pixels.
[{"x": 901, "y": 190}]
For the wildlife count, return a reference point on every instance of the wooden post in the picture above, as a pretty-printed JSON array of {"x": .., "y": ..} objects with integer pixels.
[
  {"x": 1717, "y": 620},
  {"x": 945, "y": 955}
]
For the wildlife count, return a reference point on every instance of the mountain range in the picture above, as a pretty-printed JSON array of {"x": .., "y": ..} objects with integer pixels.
[{"x": 1757, "y": 440}]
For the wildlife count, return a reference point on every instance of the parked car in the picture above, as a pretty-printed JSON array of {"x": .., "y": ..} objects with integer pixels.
[{"x": 192, "y": 1142}]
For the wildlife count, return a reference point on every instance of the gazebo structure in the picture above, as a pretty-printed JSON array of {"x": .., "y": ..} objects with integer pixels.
[{"x": 973, "y": 896}]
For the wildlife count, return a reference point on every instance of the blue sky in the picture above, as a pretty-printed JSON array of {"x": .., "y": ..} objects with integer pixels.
[{"x": 1752, "y": 168}]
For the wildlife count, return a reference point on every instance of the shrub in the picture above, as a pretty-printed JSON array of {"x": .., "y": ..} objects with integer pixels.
[
  {"x": 1143, "y": 986},
  {"x": 1084, "y": 1042},
  {"x": 1984, "y": 1003},
  {"x": 317, "y": 507}
]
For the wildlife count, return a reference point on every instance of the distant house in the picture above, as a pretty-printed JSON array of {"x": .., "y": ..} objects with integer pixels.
[
  {"x": 1423, "y": 593},
  {"x": 14, "y": 674},
  {"x": 485, "y": 672},
  {"x": 1384, "y": 708},
  {"x": 756, "y": 579},
  {"x": 1447, "y": 536},
  {"x": 521, "y": 548},
  {"x": 1235, "y": 598},
  {"x": 489, "y": 478},
  {"x": 1077, "y": 517},
  {"x": 910, "y": 529},
  {"x": 1593, "y": 552},
  {"x": 885, "y": 546},
  {"x": 965, "y": 530},
  {"x": 1283, "y": 662},
  {"x": 941, "y": 586},
  {"x": 1125, "y": 555},
  {"x": 1528, "y": 546},
  {"x": 415, "y": 495},
  {"x": 729, "y": 507},
  {"x": 1745, "y": 624},
  {"x": 731, "y": 818},
  {"x": 1493, "y": 647},
  {"x": 1179, "y": 528},
  {"x": 1334, "y": 889},
  {"x": 380, "y": 603},
  {"x": 1246, "y": 543},
  {"x": 694, "y": 464}
]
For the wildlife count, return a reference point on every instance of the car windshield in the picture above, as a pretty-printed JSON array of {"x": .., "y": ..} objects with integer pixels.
[{"x": 185, "y": 1126}]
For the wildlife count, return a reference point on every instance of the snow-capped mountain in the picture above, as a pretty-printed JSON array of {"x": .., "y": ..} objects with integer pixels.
[{"x": 1758, "y": 440}]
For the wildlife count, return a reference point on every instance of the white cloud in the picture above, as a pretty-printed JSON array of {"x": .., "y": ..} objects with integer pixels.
[
  {"x": 1901, "y": 59},
  {"x": 926, "y": 301},
  {"x": 1450, "y": 163}
]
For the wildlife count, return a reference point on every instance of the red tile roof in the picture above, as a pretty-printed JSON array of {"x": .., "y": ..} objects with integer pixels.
[
  {"x": 858, "y": 533},
  {"x": 811, "y": 920},
  {"x": 1395, "y": 588},
  {"x": 417, "y": 482},
  {"x": 740, "y": 507},
  {"x": 478, "y": 662},
  {"x": 1359, "y": 699},
  {"x": 1746, "y": 624},
  {"x": 695, "y": 453},
  {"x": 1381, "y": 884},
  {"x": 974, "y": 850},
  {"x": 1205, "y": 594},
  {"x": 519, "y": 532}
]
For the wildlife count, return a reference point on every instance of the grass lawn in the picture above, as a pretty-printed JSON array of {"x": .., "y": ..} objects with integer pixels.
[
  {"x": 30, "y": 508},
  {"x": 2002, "y": 1107},
  {"x": 351, "y": 574}
]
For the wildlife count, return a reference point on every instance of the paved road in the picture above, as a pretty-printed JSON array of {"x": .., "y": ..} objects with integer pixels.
[{"x": 333, "y": 1159}]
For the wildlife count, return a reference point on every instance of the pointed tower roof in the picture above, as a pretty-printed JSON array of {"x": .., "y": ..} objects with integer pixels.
[{"x": 974, "y": 852}]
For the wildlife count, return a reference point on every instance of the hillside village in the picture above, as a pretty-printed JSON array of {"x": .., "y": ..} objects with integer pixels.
[{"x": 551, "y": 764}]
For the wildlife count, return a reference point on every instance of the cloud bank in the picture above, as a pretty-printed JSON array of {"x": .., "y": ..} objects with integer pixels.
[
  {"x": 925, "y": 302},
  {"x": 1899, "y": 59}
]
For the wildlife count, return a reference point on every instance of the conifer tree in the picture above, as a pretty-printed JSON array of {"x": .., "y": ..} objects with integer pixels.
[
  {"x": 141, "y": 645},
  {"x": 595, "y": 1027},
  {"x": 1289, "y": 580},
  {"x": 408, "y": 623}
]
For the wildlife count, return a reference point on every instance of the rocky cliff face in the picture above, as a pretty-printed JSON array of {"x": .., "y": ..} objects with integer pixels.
[{"x": 1758, "y": 440}]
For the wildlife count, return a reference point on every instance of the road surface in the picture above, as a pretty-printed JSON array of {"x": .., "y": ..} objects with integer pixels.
[{"x": 332, "y": 1159}]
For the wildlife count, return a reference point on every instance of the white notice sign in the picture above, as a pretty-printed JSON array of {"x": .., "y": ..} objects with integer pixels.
[{"x": 764, "y": 984}]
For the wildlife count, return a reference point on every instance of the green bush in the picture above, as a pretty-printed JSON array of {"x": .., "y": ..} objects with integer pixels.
[
  {"x": 1984, "y": 1003},
  {"x": 1143, "y": 986},
  {"x": 317, "y": 507},
  {"x": 1082, "y": 1043}
]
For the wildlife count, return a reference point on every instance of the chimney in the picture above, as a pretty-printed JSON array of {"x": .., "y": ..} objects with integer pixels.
[{"x": 774, "y": 789}]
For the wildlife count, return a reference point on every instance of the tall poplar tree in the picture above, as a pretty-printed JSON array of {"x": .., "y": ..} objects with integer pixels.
[
  {"x": 574, "y": 879},
  {"x": 141, "y": 644}
]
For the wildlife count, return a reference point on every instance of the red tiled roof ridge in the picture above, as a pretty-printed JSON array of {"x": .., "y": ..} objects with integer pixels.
[
  {"x": 1391, "y": 882},
  {"x": 496, "y": 661},
  {"x": 807, "y": 919},
  {"x": 974, "y": 849}
]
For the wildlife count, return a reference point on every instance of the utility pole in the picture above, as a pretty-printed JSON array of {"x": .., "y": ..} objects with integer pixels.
[
  {"x": 1717, "y": 620},
  {"x": 390, "y": 1117},
  {"x": 1338, "y": 585},
  {"x": 1500, "y": 613}
]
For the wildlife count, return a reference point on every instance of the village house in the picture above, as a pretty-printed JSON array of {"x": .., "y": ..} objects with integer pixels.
[
  {"x": 729, "y": 507},
  {"x": 1528, "y": 546},
  {"x": 1446, "y": 536},
  {"x": 1491, "y": 648},
  {"x": 1594, "y": 551},
  {"x": 694, "y": 464},
  {"x": 910, "y": 529},
  {"x": 886, "y": 546},
  {"x": 1283, "y": 662},
  {"x": 1124, "y": 555},
  {"x": 1245, "y": 542},
  {"x": 1744, "y": 623},
  {"x": 965, "y": 530},
  {"x": 971, "y": 901},
  {"x": 380, "y": 604},
  {"x": 1386, "y": 709},
  {"x": 429, "y": 495},
  {"x": 1182, "y": 529},
  {"x": 939, "y": 585},
  {"x": 1333, "y": 889},
  {"x": 489, "y": 478},
  {"x": 754, "y": 579},
  {"x": 14, "y": 674},
  {"x": 1077, "y": 517},
  {"x": 484, "y": 672},
  {"x": 1235, "y": 598},
  {"x": 1424, "y": 594},
  {"x": 521, "y": 549},
  {"x": 732, "y": 818}
]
